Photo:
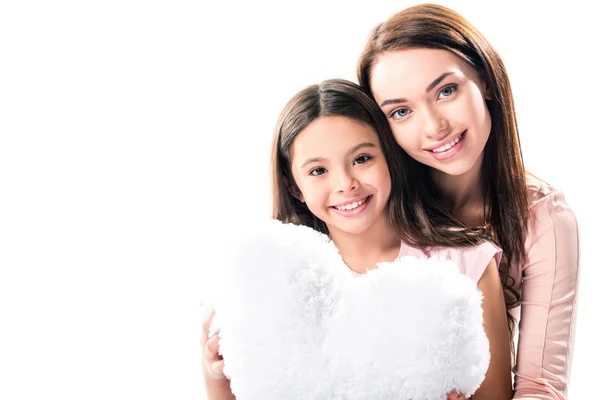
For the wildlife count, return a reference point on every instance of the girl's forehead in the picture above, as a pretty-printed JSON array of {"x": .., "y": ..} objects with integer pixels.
[{"x": 328, "y": 136}]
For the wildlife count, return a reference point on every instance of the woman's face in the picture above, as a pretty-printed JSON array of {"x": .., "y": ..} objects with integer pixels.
[{"x": 435, "y": 105}]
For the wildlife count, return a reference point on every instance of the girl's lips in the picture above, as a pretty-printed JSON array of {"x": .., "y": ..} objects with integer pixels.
[
  {"x": 356, "y": 200},
  {"x": 354, "y": 211}
]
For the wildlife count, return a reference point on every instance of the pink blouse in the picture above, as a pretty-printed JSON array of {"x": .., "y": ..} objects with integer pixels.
[
  {"x": 548, "y": 293},
  {"x": 548, "y": 288}
]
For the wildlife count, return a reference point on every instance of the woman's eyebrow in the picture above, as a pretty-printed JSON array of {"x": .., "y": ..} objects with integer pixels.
[
  {"x": 429, "y": 88},
  {"x": 437, "y": 81}
]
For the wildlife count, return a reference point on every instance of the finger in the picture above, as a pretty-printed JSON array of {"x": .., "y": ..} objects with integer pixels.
[
  {"x": 212, "y": 347},
  {"x": 205, "y": 327},
  {"x": 217, "y": 367},
  {"x": 455, "y": 396}
]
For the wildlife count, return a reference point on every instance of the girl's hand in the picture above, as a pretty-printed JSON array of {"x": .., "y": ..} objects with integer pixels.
[
  {"x": 455, "y": 396},
  {"x": 212, "y": 362}
]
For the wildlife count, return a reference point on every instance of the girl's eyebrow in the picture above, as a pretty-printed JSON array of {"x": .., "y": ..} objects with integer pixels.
[
  {"x": 429, "y": 88},
  {"x": 311, "y": 160},
  {"x": 352, "y": 150},
  {"x": 360, "y": 146}
]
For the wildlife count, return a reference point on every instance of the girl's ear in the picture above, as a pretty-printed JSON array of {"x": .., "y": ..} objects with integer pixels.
[{"x": 294, "y": 190}]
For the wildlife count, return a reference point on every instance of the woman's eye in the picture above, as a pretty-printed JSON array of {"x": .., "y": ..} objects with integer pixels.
[
  {"x": 363, "y": 158},
  {"x": 448, "y": 91},
  {"x": 317, "y": 171},
  {"x": 400, "y": 113}
]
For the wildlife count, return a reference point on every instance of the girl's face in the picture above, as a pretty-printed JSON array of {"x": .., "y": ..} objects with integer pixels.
[
  {"x": 341, "y": 173},
  {"x": 435, "y": 105}
]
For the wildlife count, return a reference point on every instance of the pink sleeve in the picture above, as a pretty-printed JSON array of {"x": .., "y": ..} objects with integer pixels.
[
  {"x": 548, "y": 294},
  {"x": 472, "y": 260}
]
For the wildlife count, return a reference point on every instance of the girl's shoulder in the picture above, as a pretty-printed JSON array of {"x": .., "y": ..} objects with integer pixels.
[{"x": 471, "y": 260}]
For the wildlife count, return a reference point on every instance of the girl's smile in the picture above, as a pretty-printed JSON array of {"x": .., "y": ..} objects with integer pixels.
[{"x": 353, "y": 207}]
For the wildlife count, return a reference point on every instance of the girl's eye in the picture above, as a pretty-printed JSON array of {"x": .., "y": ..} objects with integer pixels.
[
  {"x": 363, "y": 158},
  {"x": 400, "y": 113},
  {"x": 448, "y": 91},
  {"x": 317, "y": 171}
]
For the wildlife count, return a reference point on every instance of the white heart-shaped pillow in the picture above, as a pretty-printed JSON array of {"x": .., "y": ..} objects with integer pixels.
[{"x": 295, "y": 323}]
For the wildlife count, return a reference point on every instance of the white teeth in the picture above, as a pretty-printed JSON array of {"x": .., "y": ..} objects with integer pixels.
[
  {"x": 447, "y": 146},
  {"x": 351, "y": 206}
]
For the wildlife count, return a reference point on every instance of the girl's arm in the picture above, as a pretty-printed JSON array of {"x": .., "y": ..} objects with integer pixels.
[
  {"x": 497, "y": 384},
  {"x": 218, "y": 389},
  {"x": 217, "y": 385},
  {"x": 548, "y": 295}
]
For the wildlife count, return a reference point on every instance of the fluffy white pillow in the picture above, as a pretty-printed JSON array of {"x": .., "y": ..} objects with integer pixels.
[{"x": 295, "y": 323}]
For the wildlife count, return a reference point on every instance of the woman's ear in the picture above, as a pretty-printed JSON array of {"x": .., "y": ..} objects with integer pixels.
[{"x": 487, "y": 93}]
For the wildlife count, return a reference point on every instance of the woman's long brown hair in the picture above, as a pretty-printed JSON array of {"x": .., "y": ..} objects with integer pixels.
[{"x": 504, "y": 186}]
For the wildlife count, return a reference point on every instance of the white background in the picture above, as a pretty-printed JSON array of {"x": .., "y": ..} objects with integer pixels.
[{"x": 134, "y": 134}]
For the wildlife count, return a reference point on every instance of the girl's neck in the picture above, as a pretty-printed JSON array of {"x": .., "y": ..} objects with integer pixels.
[
  {"x": 462, "y": 194},
  {"x": 379, "y": 243}
]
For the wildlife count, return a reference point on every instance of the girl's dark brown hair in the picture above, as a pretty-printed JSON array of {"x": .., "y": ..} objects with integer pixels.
[
  {"x": 504, "y": 185},
  {"x": 413, "y": 212}
]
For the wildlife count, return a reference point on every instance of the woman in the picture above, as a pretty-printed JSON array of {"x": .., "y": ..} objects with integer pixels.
[{"x": 448, "y": 100}]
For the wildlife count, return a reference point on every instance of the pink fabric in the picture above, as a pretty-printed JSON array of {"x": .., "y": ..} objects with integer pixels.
[
  {"x": 471, "y": 260},
  {"x": 548, "y": 294}
]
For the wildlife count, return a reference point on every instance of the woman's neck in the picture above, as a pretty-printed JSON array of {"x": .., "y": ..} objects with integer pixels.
[
  {"x": 462, "y": 194},
  {"x": 379, "y": 243}
]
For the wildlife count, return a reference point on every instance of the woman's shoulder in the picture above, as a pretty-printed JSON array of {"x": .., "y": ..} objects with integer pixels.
[
  {"x": 547, "y": 202},
  {"x": 552, "y": 228},
  {"x": 540, "y": 192}
]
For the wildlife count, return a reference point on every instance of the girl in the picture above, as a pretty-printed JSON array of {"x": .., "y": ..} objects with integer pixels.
[
  {"x": 448, "y": 101},
  {"x": 334, "y": 161}
]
